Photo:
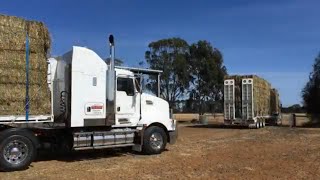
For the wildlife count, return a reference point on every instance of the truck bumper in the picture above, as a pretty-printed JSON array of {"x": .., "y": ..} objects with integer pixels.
[{"x": 173, "y": 135}]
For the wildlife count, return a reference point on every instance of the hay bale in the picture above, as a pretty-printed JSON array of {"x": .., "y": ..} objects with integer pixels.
[
  {"x": 261, "y": 96},
  {"x": 275, "y": 101},
  {"x": 13, "y": 35},
  {"x": 13, "y": 66}
]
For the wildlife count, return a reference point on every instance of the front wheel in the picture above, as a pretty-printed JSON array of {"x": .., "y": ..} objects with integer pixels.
[
  {"x": 154, "y": 140},
  {"x": 16, "y": 153}
]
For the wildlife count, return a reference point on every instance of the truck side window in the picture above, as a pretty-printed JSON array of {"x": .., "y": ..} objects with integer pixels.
[{"x": 126, "y": 85}]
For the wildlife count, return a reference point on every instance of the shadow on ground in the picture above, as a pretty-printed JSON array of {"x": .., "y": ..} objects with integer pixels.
[
  {"x": 81, "y": 155},
  {"x": 222, "y": 126},
  {"x": 218, "y": 126},
  {"x": 78, "y": 155},
  {"x": 311, "y": 124},
  {"x": 84, "y": 155}
]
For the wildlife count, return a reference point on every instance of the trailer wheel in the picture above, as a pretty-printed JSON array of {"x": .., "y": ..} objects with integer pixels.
[
  {"x": 17, "y": 151},
  {"x": 257, "y": 125},
  {"x": 154, "y": 140}
]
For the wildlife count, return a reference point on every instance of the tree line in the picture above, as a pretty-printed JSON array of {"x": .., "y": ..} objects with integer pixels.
[
  {"x": 192, "y": 78},
  {"x": 311, "y": 93},
  {"x": 193, "y": 74}
]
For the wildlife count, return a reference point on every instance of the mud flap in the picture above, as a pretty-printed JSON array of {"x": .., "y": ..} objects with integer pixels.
[
  {"x": 138, "y": 139},
  {"x": 173, "y": 135}
]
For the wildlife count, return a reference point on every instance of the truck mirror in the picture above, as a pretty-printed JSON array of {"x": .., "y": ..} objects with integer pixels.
[{"x": 138, "y": 85}]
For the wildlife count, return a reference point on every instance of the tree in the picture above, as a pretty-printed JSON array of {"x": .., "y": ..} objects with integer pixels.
[
  {"x": 170, "y": 56},
  {"x": 311, "y": 92},
  {"x": 191, "y": 103},
  {"x": 208, "y": 73},
  {"x": 296, "y": 108}
]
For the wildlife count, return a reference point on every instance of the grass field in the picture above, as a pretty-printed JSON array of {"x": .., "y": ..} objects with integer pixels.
[{"x": 202, "y": 152}]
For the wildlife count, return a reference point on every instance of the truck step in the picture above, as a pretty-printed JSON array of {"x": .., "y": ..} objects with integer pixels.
[{"x": 104, "y": 147}]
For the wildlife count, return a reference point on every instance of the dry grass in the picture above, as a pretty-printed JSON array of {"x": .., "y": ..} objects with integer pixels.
[{"x": 201, "y": 152}]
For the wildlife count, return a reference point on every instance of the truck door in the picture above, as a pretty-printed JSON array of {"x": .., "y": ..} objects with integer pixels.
[{"x": 127, "y": 102}]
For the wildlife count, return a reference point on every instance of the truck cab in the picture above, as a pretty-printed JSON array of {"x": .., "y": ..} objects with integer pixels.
[
  {"x": 101, "y": 96},
  {"x": 135, "y": 107}
]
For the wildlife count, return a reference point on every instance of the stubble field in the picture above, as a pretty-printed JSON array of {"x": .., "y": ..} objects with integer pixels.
[{"x": 202, "y": 152}]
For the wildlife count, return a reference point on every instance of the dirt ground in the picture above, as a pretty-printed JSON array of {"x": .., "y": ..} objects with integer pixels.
[{"x": 202, "y": 152}]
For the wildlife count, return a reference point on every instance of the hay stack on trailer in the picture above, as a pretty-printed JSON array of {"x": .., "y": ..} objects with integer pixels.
[
  {"x": 274, "y": 101},
  {"x": 13, "y": 66},
  {"x": 261, "y": 95}
]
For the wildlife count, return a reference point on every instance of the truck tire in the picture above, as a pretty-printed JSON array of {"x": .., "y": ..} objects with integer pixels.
[
  {"x": 154, "y": 140},
  {"x": 17, "y": 150}
]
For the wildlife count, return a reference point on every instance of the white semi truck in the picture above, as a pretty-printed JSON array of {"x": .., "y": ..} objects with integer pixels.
[{"x": 95, "y": 105}]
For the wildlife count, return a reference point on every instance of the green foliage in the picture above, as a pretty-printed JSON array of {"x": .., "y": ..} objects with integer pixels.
[
  {"x": 296, "y": 108},
  {"x": 192, "y": 79},
  {"x": 170, "y": 56},
  {"x": 208, "y": 74},
  {"x": 311, "y": 92}
]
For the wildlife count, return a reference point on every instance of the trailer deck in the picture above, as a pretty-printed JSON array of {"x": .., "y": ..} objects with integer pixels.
[{"x": 12, "y": 119}]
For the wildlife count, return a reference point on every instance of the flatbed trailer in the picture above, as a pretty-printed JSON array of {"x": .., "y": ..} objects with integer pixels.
[{"x": 246, "y": 101}]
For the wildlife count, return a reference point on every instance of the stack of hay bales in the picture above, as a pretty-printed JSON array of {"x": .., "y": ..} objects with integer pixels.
[
  {"x": 13, "y": 66},
  {"x": 261, "y": 94},
  {"x": 274, "y": 101}
]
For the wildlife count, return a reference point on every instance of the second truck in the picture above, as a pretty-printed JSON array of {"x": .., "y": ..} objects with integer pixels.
[{"x": 250, "y": 101}]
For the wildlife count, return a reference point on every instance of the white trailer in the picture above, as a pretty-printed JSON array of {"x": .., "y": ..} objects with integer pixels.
[
  {"x": 241, "y": 111},
  {"x": 94, "y": 106}
]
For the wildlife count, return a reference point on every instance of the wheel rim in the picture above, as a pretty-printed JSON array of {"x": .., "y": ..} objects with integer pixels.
[
  {"x": 156, "y": 140},
  {"x": 15, "y": 152}
]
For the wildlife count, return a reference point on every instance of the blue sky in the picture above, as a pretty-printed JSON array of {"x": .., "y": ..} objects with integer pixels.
[{"x": 276, "y": 39}]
